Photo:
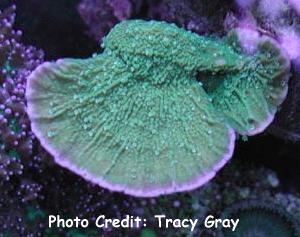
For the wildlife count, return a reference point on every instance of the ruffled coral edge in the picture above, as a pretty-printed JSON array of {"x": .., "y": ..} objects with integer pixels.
[
  {"x": 63, "y": 160},
  {"x": 282, "y": 96},
  {"x": 261, "y": 126}
]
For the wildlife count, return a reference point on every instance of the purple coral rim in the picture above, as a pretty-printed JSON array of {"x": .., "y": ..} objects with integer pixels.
[
  {"x": 64, "y": 161},
  {"x": 262, "y": 126}
]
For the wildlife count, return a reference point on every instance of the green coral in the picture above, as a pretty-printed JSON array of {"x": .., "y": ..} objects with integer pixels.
[
  {"x": 135, "y": 119},
  {"x": 249, "y": 98}
]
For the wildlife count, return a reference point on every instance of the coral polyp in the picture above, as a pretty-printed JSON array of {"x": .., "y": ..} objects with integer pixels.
[
  {"x": 261, "y": 218},
  {"x": 136, "y": 119},
  {"x": 17, "y": 61}
]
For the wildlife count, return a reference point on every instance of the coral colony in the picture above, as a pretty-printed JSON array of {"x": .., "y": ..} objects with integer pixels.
[
  {"x": 135, "y": 119},
  {"x": 17, "y": 62},
  {"x": 156, "y": 112}
]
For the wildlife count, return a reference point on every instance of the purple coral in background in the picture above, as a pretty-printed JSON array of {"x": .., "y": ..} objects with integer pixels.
[
  {"x": 296, "y": 5},
  {"x": 17, "y": 61},
  {"x": 102, "y": 15},
  {"x": 19, "y": 194},
  {"x": 203, "y": 17},
  {"x": 276, "y": 19}
]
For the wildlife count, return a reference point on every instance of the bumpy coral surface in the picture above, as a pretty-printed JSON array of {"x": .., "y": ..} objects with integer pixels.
[{"x": 135, "y": 119}]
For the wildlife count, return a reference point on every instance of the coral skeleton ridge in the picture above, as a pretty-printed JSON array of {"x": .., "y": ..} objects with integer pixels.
[{"x": 158, "y": 110}]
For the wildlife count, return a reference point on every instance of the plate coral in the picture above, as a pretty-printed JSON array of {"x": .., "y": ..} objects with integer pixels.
[{"x": 136, "y": 119}]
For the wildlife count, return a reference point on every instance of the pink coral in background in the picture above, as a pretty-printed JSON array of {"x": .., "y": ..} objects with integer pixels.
[
  {"x": 273, "y": 18},
  {"x": 295, "y": 4}
]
